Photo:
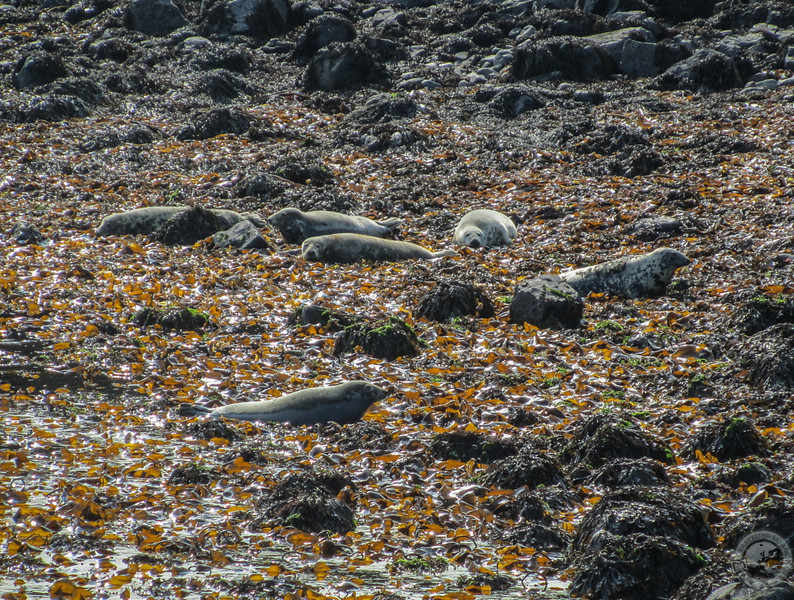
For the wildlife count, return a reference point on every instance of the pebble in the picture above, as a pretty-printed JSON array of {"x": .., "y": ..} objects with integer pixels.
[{"x": 430, "y": 84}]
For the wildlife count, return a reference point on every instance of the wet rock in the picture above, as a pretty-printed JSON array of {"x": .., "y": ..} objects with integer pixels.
[
  {"x": 387, "y": 339},
  {"x": 451, "y": 299},
  {"x": 527, "y": 507},
  {"x": 634, "y": 567},
  {"x": 364, "y": 435},
  {"x": 468, "y": 445},
  {"x": 115, "y": 49},
  {"x": 229, "y": 57},
  {"x": 324, "y": 31},
  {"x": 25, "y": 233},
  {"x": 187, "y": 227},
  {"x": 510, "y": 101},
  {"x": 648, "y": 229},
  {"x": 542, "y": 537},
  {"x": 623, "y": 472},
  {"x": 314, "y": 314},
  {"x": 763, "y": 310},
  {"x": 751, "y": 473},
  {"x": 213, "y": 428},
  {"x": 529, "y": 468},
  {"x": 630, "y": 148},
  {"x": 769, "y": 356},
  {"x": 80, "y": 87},
  {"x": 243, "y": 235},
  {"x": 383, "y": 108},
  {"x": 564, "y": 58},
  {"x": 205, "y": 125},
  {"x": 221, "y": 86},
  {"x": 38, "y": 69},
  {"x": 341, "y": 65},
  {"x": 495, "y": 581},
  {"x": 705, "y": 71},
  {"x": 605, "y": 437},
  {"x": 192, "y": 474},
  {"x": 260, "y": 185},
  {"x": 303, "y": 169},
  {"x": 656, "y": 511},
  {"x": 260, "y": 19},
  {"x": 546, "y": 302},
  {"x": 730, "y": 438},
  {"x": 154, "y": 17},
  {"x": 181, "y": 319}
]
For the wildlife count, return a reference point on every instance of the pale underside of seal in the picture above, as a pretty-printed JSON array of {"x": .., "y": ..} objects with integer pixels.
[
  {"x": 145, "y": 221},
  {"x": 343, "y": 403},
  {"x": 646, "y": 275},
  {"x": 484, "y": 228},
  {"x": 295, "y": 225},
  {"x": 354, "y": 247}
]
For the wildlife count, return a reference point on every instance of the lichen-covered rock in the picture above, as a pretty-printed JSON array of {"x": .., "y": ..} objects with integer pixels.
[
  {"x": 546, "y": 302},
  {"x": 388, "y": 339},
  {"x": 452, "y": 299}
]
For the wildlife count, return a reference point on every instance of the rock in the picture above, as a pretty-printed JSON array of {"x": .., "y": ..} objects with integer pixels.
[
  {"x": 565, "y": 58},
  {"x": 38, "y": 69},
  {"x": 780, "y": 590},
  {"x": 762, "y": 310},
  {"x": 546, "y": 302},
  {"x": 639, "y": 59},
  {"x": 769, "y": 356},
  {"x": 624, "y": 472},
  {"x": 181, "y": 319},
  {"x": 613, "y": 42},
  {"x": 243, "y": 235},
  {"x": 324, "y": 31},
  {"x": 154, "y": 17},
  {"x": 511, "y": 101},
  {"x": 705, "y": 71},
  {"x": 451, "y": 299},
  {"x": 188, "y": 227},
  {"x": 387, "y": 339},
  {"x": 467, "y": 445},
  {"x": 341, "y": 65},
  {"x": 25, "y": 233},
  {"x": 528, "y": 468},
  {"x": 314, "y": 314},
  {"x": 261, "y": 19},
  {"x": 730, "y": 438},
  {"x": 205, "y": 125},
  {"x": 648, "y": 229}
]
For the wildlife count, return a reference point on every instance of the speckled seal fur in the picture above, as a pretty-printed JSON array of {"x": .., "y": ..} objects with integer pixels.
[
  {"x": 144, "y": 221},
  {"x": 354, "y": 247},
  {"x": 343, "y": 403},
  {"x": 484, "y": 228},
  {"x": 295, "y": 225},
  {"x": 641, "y": 276}
]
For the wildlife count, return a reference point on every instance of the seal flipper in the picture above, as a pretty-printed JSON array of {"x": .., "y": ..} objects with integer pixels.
[
  {"x": 193, "y": 410},
  {"x": 391, "y": 224}
]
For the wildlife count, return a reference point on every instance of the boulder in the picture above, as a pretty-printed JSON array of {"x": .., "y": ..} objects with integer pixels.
[
  {"x": 38, "y": 69},
  {"x": 261, "y": 19},
  {"x": 243, "y": 235},
  {"x": 705, "y": 71},
  {"x": 562, "y": 58},
  {"x": 546, "y": 302},
  {"x": 341, "y": 65},
  {"x": 154, "y": 17}
]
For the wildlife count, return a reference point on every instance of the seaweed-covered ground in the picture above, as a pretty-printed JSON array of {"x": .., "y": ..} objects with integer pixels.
[{"x": 507, "y": 459}]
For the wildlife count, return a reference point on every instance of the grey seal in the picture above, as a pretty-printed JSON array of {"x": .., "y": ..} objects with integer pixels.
[
  {"x": 145, "y": 221},
  {"x": 296, "y": 225},
  {"x": 343, "y": 403},
  {"x": 354, "y": 247},
  {"x": 646, "y": 275},
  {"x": 483, "y": 228}
]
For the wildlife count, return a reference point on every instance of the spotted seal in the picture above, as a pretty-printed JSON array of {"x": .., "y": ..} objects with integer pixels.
[
  {"x": 354, "y": 247},
  {"x": 296, "y": 225},
  {"x": 484, "y": 228},
  {"x": 640, "y": 276},
  {"x": 343, "y": 403},
  {"x": 145, "y": 221}
]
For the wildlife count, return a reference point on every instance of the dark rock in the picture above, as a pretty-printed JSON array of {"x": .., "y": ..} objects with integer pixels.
[
  {"x": 634, "y": 567},
  {"x": 364, "y": 435},
  {"x": 777, "y": 590},
  {"x": 213, "y": 428},
  {"x": 546, "y": 302},
  {"x": 341, "y": 65},
  {"x": 188, "y": 227},
  {"x": 452, "y": 299},
  {"x": 656, "y": 511},
  {"x": 303, "y": 169},
  {"x": 383, "y": 108},
  {"x": 705, "y": 71},
  {"x": 528, "y": 468},
  {"x": 324, "y": 31},
  {"x": 25, "y": 233},
  {"x": 80, "y": 87},
  {"x": 215, "y": 122},
  {"x": 243, "y": 235},
  {"x": 729, "y": 438},
  {"x": 154, "y": 17},
  {"x": 181, "y": 319},
  {"x": 565, "y": 20},
  {"x": 751, "y": 473},
  {"x": 115, "y": 49},
  {"x": 387, "y": 339},
  {"x": 623, "y": 472},
  {"x": 314, "y": 314},
  {"x": 683, "y": 11},
  {"x": 510, "y": 101},
  {"x": 769, "y": 356},
  {"x": 221, "y": 86},
  {"x": 648, "y": 229},
  {"x": 261, "y": 19},
  {"x": 192, "y": 474},
  {"x": 541, "y": 537},
  {"x": 260, "y": 185},
  {"x": 229, "y": 57},
  {"x": 763, "y": 310},
  {"x": 467, "y": 445},
  {"x": 605, "y": 437},
  {"x": 526, "y": 507},
  {"x": 48, "y": 108},
  {"x": 38, "y": 69},
  {"x": 562, "y": 58}
]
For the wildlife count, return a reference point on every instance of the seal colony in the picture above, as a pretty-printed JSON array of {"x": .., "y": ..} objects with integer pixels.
[
  {"x": 641, "y": 276},
  {"x": 145, "y": 221},
  {"x": 483, "y": 228},
  {"x": 343, "y": 403},
  {"x": 354, "y": 247},
  {"x": 295, "y": 225}
]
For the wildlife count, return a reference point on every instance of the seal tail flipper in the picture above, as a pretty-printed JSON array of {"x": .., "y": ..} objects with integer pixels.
[
  {"x": 443, "y": 253},
  {"x": 193, "y": 410},
  {"x": 392, "y": 224}
]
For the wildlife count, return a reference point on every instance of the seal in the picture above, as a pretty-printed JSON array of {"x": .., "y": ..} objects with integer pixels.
[
  {"x": 641, "y": 276},
  {"x": 354, "y": 247},
  {"x": 343, "y": 403},
  {"x": 145, "y": 221},
  {"x": 483, "y": 228},
  {"x": 296, "y": 225}
]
